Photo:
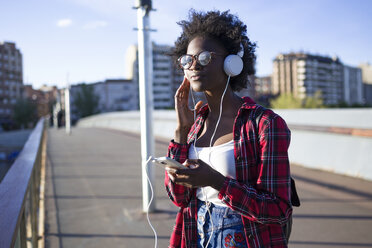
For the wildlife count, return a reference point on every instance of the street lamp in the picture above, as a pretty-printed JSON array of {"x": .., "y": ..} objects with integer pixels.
[{"x": 146, "y": 98}]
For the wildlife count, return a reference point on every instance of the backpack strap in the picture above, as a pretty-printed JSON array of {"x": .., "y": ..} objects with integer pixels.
[
  {"x": 294, "y": 196},
  {"x": 259, "y": 112}
]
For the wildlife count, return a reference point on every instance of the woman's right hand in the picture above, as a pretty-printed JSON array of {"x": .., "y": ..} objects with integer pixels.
[{"x": 185, "y": 116}]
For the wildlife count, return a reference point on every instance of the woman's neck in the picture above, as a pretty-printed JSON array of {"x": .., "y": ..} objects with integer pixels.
[{"x": 231, "y": 103}]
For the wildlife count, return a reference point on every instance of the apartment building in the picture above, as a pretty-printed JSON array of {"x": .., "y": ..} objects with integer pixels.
[
  {"x": 263, "y": 85},
  {"x": 165, "y": 76},
  {"x": 250, "y": 90},
  {"x": 366, "y": 69},
  {"x": 111, "y": 94},
  {"x": 302, "y": 75},
  {"x": 353, "y": 86},
  {"x": 11, "y": 80},
  {"x": 44, "y": 98},
  {"x": 116, "y": 95}
]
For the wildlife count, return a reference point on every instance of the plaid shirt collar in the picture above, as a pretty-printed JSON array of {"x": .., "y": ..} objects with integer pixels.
[{"x": 203, "y": 113}]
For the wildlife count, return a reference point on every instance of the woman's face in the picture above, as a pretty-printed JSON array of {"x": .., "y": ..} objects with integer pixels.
[{"x": 212, "y": 76}]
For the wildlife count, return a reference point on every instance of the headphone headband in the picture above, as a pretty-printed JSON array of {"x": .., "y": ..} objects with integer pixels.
[{"x": 241, "y": 51}]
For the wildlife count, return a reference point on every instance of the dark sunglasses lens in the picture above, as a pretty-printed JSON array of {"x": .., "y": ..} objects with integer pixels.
[
  {"x": 185, "y": 61},
  {"x": 204, "y": 58}
]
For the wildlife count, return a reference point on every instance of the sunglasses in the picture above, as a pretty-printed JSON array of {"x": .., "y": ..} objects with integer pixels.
[{"x": 203, "y": 58}]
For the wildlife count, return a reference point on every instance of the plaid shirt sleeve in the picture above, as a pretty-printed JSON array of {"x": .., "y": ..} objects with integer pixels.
[
  {"x": 179, "y": 195},
  {"x": 268, "y": 201}
]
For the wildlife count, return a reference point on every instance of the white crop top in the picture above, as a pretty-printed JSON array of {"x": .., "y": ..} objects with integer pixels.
[{"x": 221, "y": 159}]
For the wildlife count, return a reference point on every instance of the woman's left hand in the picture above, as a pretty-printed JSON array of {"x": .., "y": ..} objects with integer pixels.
[{"x": 199, "y": 174}]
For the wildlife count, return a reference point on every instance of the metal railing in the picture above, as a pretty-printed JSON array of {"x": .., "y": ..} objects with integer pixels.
[{"x": 20, "y": 194}]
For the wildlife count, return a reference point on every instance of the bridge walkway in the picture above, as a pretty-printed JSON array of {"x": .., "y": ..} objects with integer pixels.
[{"x": 93, "y": 197}]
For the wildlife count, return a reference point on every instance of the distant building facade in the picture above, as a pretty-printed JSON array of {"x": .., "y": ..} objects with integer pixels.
[
  {"x": 165, "y": 76},
  {"x": 250, "y": 90},
  {"x": 112, "y": 95},
  {"x": 303, "y": 74},
  {"x": 263, "y": 85},
  {"x": 11, "y": 80},
  {"x": 44, "y": 98},
  {"x": 353, "y": 85},
  {"x": 116, "y": 95},
  {"x": 262, "y": 93},
  {"x": 366, "y": 69}
]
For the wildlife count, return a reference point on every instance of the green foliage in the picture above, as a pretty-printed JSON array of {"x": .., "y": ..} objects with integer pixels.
[
  {"x": 25, "y": 113},
  {"x": 341, "y": 104},
  {"x": 359, "y": 105},
  {"x": 315, "y": 101},
  {"x": 85, "y": 101},
  {"x": 286, "y": 101}
]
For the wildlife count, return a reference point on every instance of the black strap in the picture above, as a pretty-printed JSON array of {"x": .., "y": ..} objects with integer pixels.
[{"x": 294, "y": 196}]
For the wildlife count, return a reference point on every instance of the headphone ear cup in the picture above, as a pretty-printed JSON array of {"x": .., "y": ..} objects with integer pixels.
[{"x": 233, "y": 65}]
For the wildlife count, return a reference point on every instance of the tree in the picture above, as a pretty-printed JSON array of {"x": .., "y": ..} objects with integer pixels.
[
  {"x": 315, "y": 101},
  {"x": 25, "y": 113},
  {"x": 85, "y": 101},
  {"x": 286, "y": 101}
]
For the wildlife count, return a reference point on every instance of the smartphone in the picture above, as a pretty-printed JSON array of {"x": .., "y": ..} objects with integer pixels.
[{"x": 166, "y": 162}]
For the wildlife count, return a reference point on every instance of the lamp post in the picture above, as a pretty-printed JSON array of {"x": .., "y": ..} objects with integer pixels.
[
  {"x": 146, "y": 98},
  {"x": 67, "y": 110}
]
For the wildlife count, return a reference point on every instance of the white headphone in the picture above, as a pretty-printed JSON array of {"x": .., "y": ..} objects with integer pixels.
[{"x": 233, "y": 64}]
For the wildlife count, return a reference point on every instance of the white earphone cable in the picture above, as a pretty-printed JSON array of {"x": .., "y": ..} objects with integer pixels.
[
  {"x": 148, "y": 206},
  {"x": 207, "y": 203},
  {"x": 219, "y": 117}
]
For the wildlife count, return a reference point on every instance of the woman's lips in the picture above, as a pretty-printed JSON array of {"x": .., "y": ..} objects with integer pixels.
[{"x": 196, "y": 76}]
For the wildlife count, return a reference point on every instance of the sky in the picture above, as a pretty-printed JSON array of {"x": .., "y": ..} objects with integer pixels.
[{"x": 73, "y": 41}]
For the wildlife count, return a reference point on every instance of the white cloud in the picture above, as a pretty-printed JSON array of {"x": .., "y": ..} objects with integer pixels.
[
  {"x": 64, "y": 23},
  {"x": 95, "y": 24}
]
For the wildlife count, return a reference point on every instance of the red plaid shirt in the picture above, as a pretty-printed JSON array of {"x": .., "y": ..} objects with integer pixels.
[{"x": 261, "y": 191}]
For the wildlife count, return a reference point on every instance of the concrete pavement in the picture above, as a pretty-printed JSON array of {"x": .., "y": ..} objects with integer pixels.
[{"x": 93, "y": 197}]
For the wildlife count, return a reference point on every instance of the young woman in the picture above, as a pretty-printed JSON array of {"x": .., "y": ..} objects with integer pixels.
[{"x": 236, "y": 192}]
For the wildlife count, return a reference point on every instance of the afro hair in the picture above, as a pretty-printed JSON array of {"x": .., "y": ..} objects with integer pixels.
[{"x": 226, "y": 29}]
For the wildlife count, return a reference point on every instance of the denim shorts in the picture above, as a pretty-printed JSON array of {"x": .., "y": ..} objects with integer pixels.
[{"x": 227, "y": 224}]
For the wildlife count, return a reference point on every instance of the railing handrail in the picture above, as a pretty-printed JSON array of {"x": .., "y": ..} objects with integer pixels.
[{"x": 15, "y": 186}]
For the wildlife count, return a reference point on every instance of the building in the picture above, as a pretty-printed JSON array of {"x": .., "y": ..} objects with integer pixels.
[
  {"x": 262, "y": 93},
  {"x": 366, "y": 73},
  {"x": 353, "y": 85},
  {"x": 165, "y": 76},
  {"x": 366, "y": 69},
  {"x": 263, "y": 85},
  {"x": 302, "y": 75},
  {"x": 250, "y": 90},
  {"x": 111, "y": 94},
  {"x": 11, "y": 81},
  {"x": 117, "y": 95},
  {"x": 44, "y": 98}
]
